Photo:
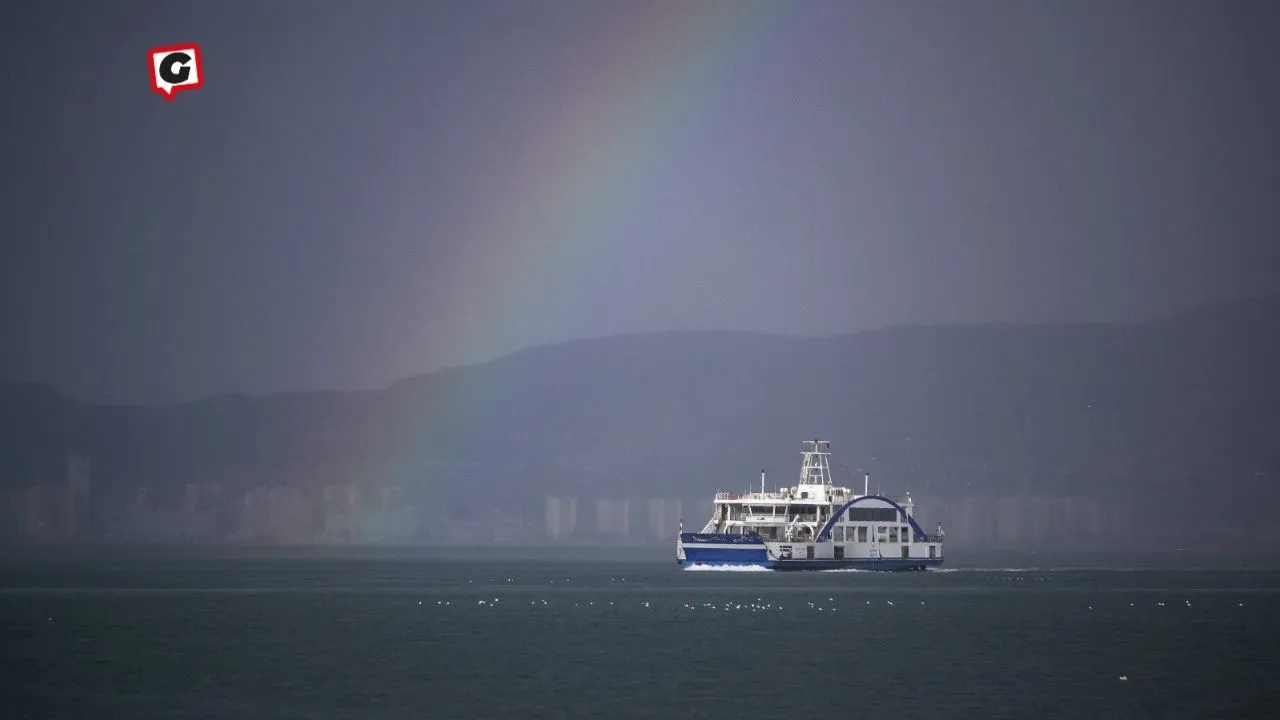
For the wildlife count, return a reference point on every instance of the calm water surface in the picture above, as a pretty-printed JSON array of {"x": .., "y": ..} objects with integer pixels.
[{"x": 310, "y": 637}]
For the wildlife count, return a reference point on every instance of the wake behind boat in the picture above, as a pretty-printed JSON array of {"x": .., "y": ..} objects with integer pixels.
[{"x": 813, "y": 525}]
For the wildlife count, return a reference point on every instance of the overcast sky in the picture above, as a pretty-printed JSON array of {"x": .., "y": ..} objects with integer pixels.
[{"x": 364, "y": 191}]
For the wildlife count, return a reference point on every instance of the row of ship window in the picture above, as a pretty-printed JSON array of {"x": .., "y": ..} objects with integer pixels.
[
  {"x": 847, "y": 534},
  {"x": 843, "y": 533}
]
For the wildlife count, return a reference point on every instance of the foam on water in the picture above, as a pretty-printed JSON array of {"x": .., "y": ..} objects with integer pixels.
[
  {"x": 988, "y": 570},
  {"x": 727, "y": 568}
]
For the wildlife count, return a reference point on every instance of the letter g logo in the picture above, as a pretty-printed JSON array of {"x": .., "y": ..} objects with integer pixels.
[{"x": 176, "y": 68}]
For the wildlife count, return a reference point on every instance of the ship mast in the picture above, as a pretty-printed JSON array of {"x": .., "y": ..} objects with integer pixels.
[{"x": 816, "y": 466}]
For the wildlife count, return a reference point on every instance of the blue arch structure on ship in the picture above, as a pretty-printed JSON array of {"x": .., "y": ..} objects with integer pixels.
[{"x": 826, "y": 528}]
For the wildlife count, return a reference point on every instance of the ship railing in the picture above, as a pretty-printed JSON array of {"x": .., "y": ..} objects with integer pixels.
[
  {"x": 774, "y": 519},
  {"x": 900, "y": 499},
  {"x": 933, "y": 538},
  {"x": 772, "y": 497},
  {"x": 787, "y": 519}
]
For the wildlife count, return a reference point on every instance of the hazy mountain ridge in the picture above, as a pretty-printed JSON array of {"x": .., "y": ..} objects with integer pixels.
[{"x": 1143, "y": 410}]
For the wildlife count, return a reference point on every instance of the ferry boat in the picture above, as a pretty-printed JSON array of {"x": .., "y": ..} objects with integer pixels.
[{"x": 813, "y": 525}]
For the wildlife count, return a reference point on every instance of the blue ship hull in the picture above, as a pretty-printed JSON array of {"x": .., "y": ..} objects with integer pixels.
[
  {"x": 750, "y": 551},
  {"x": 694, "y": 555}
]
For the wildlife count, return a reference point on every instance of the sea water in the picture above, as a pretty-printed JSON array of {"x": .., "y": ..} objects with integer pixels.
[{"x": 175, "y": 635}]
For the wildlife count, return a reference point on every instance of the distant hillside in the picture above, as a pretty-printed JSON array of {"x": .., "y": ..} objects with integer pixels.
[{"x": 1169, "y": 414}]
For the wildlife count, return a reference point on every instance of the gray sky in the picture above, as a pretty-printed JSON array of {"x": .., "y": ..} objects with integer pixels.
[{"x": 366, "y": 191}]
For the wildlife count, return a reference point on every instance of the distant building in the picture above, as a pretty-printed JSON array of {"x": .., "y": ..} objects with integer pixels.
[
  {"x": 561, "y": 518},
  {"x": 664, "y": 518}
]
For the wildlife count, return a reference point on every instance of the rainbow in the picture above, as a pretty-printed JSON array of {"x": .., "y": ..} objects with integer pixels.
[{"x": 626, "y": 98}]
